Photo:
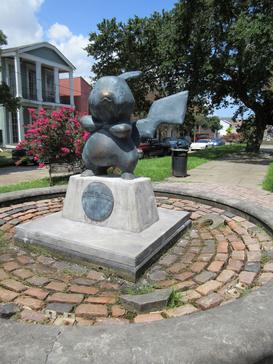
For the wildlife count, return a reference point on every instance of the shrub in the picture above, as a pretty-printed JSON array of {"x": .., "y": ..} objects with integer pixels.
[{"x": 55, "y": 137}]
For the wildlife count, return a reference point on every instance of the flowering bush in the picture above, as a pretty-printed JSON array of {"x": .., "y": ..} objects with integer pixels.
[{"x": 54, "y": 137}]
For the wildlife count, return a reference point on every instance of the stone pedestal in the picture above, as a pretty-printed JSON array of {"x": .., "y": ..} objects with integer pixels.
[
  {"x": 129, "y": 205},
  {"x": 109, "y": 221}
]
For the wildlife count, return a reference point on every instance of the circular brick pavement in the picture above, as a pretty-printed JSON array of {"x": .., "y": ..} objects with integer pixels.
[{"x": 210, "y": 265}]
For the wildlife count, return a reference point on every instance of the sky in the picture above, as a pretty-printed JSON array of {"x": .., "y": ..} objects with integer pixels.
[{"x": 66, "y": 24}]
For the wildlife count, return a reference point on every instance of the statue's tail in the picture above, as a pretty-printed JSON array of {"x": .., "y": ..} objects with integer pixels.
[{"x": 168, "y": 110}]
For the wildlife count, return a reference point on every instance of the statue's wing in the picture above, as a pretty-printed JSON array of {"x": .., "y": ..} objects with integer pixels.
[{"x": 168, "y": 110}]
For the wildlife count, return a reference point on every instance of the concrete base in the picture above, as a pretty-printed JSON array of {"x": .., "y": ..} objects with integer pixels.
[
  {"x": 125, "y": 252},
  {"x": 134, "y": 204}
]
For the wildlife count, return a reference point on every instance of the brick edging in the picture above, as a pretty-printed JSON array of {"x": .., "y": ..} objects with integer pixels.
[
  {"x": 240, "y": 332},
  {"x": 254, "y": 213},
  {"x": 33, "y": 193}
]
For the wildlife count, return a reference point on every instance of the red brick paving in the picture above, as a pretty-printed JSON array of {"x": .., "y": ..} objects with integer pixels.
[{"x": 32, "y": 280}]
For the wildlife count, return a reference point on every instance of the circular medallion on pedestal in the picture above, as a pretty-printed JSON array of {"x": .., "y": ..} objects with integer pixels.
[{"x": 97, "y": 201}]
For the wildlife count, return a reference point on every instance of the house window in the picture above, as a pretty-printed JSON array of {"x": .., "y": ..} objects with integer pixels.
[
  {"x": 26, "y": 118},
  {"x": 31, "y": 82},
  {"x": 48, "y": 86},
  {"x": 10, "y": 80},
  {"x": 14, "y": 128}
]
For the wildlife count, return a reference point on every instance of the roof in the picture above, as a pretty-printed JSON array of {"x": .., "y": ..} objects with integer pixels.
[{"x": 29, "y": 47}]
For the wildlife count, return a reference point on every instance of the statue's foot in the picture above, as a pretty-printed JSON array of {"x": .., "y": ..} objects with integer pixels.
[
  {"x": 87, "y": 173},
  {"x": 127, "y": 175}
]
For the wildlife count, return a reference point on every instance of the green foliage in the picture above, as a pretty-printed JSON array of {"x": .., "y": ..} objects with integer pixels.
[
  {"x": 214, "y": 123},
  {"x": 38, "y": 183},
  {"x": 3, "y": 38},
  {"x": 268, "y": 181},
  {"x": 251, "y": 133},
  {"x": 129, "y": 315},
  {"x": 206, "y": 122},
  {"x": 229, "y": 130},
  {"x": 175, "y": 299},
  {"x": 136, "y": 290},
  {"x": 6, "y": 98},
  {"x": 244, "y": 292},
  {"x": 5, "y": 159},
  {"x": 119, "y": 47},
  {"x": 265, "y": 259},
  {"x": 214, "y": 49},
  {"x": 3, "y": 241}
]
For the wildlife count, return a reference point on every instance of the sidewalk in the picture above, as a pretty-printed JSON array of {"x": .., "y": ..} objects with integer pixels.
[
  {"x": 236, "y": 170},
  {"x": 13, "y": 174},
  {"x": 238, "y": 176}
]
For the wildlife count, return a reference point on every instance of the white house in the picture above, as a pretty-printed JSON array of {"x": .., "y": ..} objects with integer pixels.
[
  {"x": 32, "y": 73},
  {"x": 225, "y": 123}
]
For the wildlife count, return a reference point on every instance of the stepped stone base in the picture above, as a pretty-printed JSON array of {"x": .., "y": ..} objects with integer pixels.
[
  {"x": 127, "y": 253},
  {"x": 109, "y": 221}
]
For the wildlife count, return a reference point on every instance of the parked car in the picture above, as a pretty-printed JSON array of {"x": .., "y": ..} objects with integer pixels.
[
  {"x": 183, "y": 143},
  {"x": 173, "y": 143},
  {"x": 170, "y": 142},
  {"x": 217, "y": 142},
  {"x": 153, "y": 147},
  {"x": 200, "y": 144}
]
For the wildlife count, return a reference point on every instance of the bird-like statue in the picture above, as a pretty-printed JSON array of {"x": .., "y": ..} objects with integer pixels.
[{"x": 114, "y": 136}]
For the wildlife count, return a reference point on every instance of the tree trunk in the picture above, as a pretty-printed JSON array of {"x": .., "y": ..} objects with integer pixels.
[
  {"x": 256, "y": 135},
  {"x": 50, "y": 174}
]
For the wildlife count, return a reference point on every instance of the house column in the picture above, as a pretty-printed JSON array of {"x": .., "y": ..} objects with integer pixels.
[
  {"x": 20, "y": 121},
  {"x": 18, "y": 81},
  {"x": 56, "y": 85},
  {"x": 39, "y": 81},
  {"x": 18, "y": 85},
  {"x": 71, "y": 88}
]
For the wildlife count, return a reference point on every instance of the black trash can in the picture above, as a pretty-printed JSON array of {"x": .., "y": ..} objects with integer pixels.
[{"x": 179, "y": 162}]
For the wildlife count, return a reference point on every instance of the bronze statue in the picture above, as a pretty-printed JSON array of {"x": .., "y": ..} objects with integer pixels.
[{"x": 115, "y": 137}]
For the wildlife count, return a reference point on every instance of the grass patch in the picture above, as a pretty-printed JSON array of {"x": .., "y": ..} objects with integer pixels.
[
  {"x": 3, "y": 241},
  {"x": 130, "y": 315},
  {"x": 175, "y": 300},
  {"x": 5, "y": 159},
  {"x": 268, "y": 181},
  {"x": 245, "y": 292},
  {"x": 265, "y": 259},
  {"x": 160, "y": 168},
  {"x": 147, "y": 288},
  {"x": 156, "y": 168},
  {"x": 35, "y": 249},
  {"x": 38, "y": 183}
]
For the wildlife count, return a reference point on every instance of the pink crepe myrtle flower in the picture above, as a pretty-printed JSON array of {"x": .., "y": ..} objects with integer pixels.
[{"x": 65, "y": 150}]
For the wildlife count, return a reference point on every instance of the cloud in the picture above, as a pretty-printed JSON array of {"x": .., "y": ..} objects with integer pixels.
[
  {"x": 59, "y": 32},
  {"x": 19, "y": 22},
  {"x": 72, "y": 46}
]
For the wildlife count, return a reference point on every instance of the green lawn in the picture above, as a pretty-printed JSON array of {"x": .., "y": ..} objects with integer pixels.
[
  {"x": 5, "y": 159},
  {"x": 156, "y": 168},
  {"x": 38, "y": 183},
  {"x": 160, "y": 168},
  {"x": 268, "y": 181}
]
